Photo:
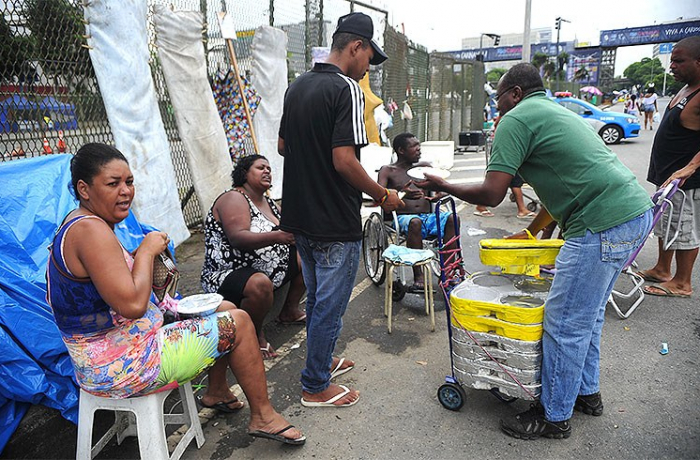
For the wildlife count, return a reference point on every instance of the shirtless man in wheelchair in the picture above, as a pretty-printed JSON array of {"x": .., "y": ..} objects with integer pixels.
[{"x": 416, "y": 220}]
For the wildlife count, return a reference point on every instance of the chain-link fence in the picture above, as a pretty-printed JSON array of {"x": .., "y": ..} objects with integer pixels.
[{"x": 50, "y": 100}]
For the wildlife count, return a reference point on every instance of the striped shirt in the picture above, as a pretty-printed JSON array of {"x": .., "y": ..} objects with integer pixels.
[{"x": 323, "y": 109}]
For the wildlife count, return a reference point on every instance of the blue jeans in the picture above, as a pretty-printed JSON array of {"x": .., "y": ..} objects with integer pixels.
[
  {"x": 329, "y": 270},
  {"x": 587, "y": 268}
]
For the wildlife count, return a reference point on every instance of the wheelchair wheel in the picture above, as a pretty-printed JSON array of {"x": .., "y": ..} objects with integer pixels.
[{"x": 374, "y": 241}]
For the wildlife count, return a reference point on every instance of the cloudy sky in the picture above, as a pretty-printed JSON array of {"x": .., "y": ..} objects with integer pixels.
[{"x": 441, "y": 24}]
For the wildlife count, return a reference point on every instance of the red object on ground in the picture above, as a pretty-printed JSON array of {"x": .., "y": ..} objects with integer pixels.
[
  {"x": 47, "y": 147},
  {"x": 61, "y": 145}
]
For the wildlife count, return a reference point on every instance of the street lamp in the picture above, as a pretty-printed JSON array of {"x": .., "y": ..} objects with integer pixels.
[
  {"x": 496, "y": 40},
  {"x": 559, "y": 20}
]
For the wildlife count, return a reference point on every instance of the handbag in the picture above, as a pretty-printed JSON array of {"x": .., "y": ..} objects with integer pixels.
[{"x": 165, "y": 275}]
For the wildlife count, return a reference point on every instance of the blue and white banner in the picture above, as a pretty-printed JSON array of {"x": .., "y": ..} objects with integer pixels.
[
  {"x": 512, "y": 53},
  {"x": 649, "y": 34}
]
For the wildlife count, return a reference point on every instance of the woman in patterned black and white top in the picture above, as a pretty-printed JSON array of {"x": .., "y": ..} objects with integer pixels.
[{"x": 246, "y": 256}]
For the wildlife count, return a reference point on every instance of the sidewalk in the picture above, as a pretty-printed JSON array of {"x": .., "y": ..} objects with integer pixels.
[{"x": 651, "y": 400}]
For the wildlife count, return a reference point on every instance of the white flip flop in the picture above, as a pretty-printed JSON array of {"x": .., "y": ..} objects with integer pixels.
[
  {"x": 329, "y": 403},
  {"x": 337, "y": 371}
]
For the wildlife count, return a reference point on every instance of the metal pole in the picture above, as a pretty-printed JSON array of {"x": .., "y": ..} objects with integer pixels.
[
  {"x": 307, "y": 35},
  {"x": 272, "y": 13},
  {"x": 526, "y": 32},
  {"x": 480, "y": 57},
  {"x": 556, "y": 54},
  {"x": 320, "y": 23}
]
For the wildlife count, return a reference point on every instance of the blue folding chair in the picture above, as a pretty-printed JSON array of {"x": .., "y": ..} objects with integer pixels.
[{"x": 662, "y": 204}]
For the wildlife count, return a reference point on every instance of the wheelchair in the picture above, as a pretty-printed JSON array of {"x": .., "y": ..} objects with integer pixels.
[{"x": 377, "y": 235}]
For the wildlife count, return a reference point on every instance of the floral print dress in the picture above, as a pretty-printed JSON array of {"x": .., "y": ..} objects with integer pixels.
[
  {"x": 221, "y": 258},
  {"x": 118, "y": 357}
]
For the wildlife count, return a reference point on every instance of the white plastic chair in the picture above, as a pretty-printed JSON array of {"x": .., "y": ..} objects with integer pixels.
[
  {"x": 662, "y": 204},
  {"x": 145, "y": 420}
]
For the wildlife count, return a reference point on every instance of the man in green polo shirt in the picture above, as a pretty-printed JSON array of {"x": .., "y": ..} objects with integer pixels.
[{"x": 605, "y": 216}]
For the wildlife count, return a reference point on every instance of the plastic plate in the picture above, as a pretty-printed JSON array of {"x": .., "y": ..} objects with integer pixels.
[
  {"x": 420, "y": 171},
  {"x": 199, "y": 304}
]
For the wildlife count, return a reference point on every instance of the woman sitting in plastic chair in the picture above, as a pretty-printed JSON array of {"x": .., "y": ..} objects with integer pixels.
[{"x": 117, "y": 342}]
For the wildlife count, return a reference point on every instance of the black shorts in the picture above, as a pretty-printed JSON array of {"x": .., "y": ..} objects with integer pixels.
[
  {"x": 234, "y": 284},
  {"x": 517, "y": 181}
]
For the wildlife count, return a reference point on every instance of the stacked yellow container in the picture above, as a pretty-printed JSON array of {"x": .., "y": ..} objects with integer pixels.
[{"x": 503, "y": 311}]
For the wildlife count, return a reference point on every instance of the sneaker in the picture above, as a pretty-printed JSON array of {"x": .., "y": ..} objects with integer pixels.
[
  {"x": 531, "y": 424},
  {"x": 590, "y": 404}
]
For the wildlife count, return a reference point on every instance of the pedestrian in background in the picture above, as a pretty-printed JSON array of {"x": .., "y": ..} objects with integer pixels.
[{"x": 649, "y": 105}]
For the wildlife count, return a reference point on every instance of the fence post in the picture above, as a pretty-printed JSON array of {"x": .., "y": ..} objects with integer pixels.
[
  {"x": 307, "y": 35},
  {"x": 477, "y": 108}
]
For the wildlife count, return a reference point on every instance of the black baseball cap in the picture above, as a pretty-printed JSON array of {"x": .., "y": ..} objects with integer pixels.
[{"x": 361, "y": 24}]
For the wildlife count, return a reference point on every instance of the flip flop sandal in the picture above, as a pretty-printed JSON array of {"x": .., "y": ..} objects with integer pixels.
[
  {"x": 665, "y": 292},
  {"x": 277, "y": 436},
  {"x": 222, "y": 406},
  {"x": 300, "y": 320},
  {"x": 329, "y": 402},
  {"x": 268, "y": 349},
  {"x": 339, "y": 369}
]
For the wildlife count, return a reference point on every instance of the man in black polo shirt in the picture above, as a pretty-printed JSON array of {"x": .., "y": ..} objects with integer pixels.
[{"x": 321, "y": 132}]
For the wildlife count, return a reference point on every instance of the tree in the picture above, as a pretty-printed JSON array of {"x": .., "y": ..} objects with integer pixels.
[
  {"x": 539, "y": 59},
  {"x": 649, "y": 72},
  {"x": 562, "y": 60},
  {"x": 16, "y": 52},
  {"x": 58, "y": 29},
  {"x": 546, "y": 66},
  {"x": 495, "y": 74},
  {"x": 642, "y": 73}
]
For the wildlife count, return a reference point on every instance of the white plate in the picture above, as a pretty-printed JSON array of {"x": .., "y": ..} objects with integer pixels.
[
  {"x": 199, "y": 304},
  {"x": 419, "y": 172}
]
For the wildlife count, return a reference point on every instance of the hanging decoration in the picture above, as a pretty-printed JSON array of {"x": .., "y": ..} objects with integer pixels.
[{"x": 232, "y": 112}]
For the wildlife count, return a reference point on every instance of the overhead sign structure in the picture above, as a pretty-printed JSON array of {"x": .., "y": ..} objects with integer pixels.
[
  {"x": 649, "y": 35},
  {"x": 512, "y": 53}
]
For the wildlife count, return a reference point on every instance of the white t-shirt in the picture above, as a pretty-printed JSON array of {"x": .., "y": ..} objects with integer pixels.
[{"x": 649, "y": 100}]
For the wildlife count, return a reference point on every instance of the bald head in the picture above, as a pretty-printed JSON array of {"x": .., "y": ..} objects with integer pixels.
[{"x": 691, "y": 44}]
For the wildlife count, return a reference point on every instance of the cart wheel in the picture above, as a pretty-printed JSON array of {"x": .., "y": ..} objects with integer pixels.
[
  {"x": 451, "y": 396},
  {"x": 532, "y": 206},
  {"x": 502, "y": 396},
  {"x": 512, "y": 198},
  {"x": 398, "y": 291},
  {"x": 374, "y": 241}
]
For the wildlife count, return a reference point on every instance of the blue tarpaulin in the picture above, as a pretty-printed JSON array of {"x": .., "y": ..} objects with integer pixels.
[{"x": 35, "y": 367}]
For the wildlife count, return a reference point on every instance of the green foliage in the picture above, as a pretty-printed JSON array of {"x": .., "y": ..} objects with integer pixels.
[
  {"x": 642, "y": 73},
  {"x": 494, "y": 75},
  {"x": 650, "y": 71},
  {"x": 539, "y": 59},
  {"x": 57, "y": 27},
  {"x": 16, "y": 52}
]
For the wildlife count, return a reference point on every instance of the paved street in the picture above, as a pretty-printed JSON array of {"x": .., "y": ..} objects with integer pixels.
[{"x": 651, "y": 400}]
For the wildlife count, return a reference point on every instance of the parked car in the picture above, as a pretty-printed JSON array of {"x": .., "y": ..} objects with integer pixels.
[{"x": 611, "y": 126}]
